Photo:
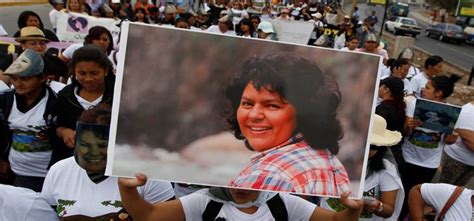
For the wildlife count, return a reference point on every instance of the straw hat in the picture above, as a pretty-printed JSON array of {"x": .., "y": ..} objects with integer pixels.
[
  {"x": 380, "y": 136},
  {"x": 31, "y": 33}
]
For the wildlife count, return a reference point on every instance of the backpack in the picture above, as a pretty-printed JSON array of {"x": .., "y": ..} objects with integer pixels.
[{"x": 276, "y": 205}]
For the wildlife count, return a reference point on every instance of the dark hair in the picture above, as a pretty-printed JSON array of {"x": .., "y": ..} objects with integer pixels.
[
  {"x": 142, "y": 10},
  {"x": 433, "y": 60},
  {"x": 248, "y": 22},
  {"x": 95, "y": 33},
  {"x": 181, "y": 19},
  {"x": 91, "y": 53},
  {"x": 23, "y": 17},
  {"x": 353, "y": 37},
  {"x": 375, "y": 163},
  {"x": 99, "y": 114},
  {"x": 396, "y": 87},
  {"x": 445, "y": 84},
  {"x": 398, "y": 63},
  {"x": 314, "y": 94},
  {"x": 255, "y": 17}
]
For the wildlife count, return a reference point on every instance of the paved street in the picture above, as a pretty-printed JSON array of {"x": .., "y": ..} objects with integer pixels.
[
  {"x": 9, "y": 16},
  {"x": 461, "y": 55}
]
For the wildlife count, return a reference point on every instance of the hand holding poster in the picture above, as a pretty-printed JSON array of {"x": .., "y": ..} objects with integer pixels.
[
  {"x": 436, "y": 116},
  {"x": 73, "y": 27},
  {"x": 188, "y": 116}
]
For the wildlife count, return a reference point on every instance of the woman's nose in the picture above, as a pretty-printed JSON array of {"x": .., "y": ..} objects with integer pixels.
[{"x": 256, "y": 112}]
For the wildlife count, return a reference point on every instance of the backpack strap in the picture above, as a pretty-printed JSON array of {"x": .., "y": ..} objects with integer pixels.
[
  {"x": 211, "y": 211},
  {"x": 277, "y": 208},
  {"x": 454, "y": 196}
]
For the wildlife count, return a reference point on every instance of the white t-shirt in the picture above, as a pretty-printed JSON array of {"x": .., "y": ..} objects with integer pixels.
[
  {"x": 238, "y": 15},
  {"x": 407, "y": 87},
  {"x": 69, "y": 188},
  {"x": 56, "y": 86},
  {"x": 382, "y": 181},
  {"x": 458, "y": 150},
  {"x": 346, "y": 49},
  {"x": 385, "y": 73},
  {"x": 418, "y": 82},
  {"x": 85, "y": 103},
  {"x": 31, "y": 151},
  {"x": 195, "y": 204},
  {"x": 215, "y": 29},
  {"x": 69, "y": 52},
  {"x": 17, "y": 203},
  {"x": 53, "y": 17},
  {"x": 413, "y": 71},
  {"x": 429, "y": 144},
  {"x": 437, "y": 194},
  {"x": 3, "y": 86}
]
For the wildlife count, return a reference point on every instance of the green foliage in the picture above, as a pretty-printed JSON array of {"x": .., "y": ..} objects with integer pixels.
[{"x": 449, "y": 5}]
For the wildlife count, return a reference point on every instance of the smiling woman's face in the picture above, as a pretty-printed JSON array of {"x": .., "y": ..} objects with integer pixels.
[
  {"x": 91, "y": 152},
  {"x": 265, "y": 118}
]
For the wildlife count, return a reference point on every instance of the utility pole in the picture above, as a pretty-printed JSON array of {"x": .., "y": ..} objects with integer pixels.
[{"x": 384, "y": 17}]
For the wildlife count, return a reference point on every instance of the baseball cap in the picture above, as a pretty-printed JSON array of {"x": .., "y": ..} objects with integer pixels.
[
  {"x": 266, "y": 27},
  {"x": 28, "y": 64}
]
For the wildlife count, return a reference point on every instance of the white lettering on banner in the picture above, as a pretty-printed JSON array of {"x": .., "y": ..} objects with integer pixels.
[
  {"x": 297, "y": 32},
  {"x": 74, "y": 27}
]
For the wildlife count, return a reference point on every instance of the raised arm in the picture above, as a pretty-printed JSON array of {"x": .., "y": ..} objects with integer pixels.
[
  {"x": 352, "y": 211},
  {"x": 140, "y": 209}
]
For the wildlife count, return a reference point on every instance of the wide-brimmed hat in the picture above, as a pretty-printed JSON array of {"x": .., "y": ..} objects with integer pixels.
[
  {"x": 28, "y": 64},
  {"x": 317, "y": 15},
  {"x": 31, "y": 33},
  {"x": 266, "y": 27},
  {"x": 380, "y": 136}
]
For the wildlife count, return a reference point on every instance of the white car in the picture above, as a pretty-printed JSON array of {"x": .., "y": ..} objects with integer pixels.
[{"x": 403, "y": 25}]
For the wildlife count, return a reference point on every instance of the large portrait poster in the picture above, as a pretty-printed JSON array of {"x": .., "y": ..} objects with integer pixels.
[
  {"x": 302, "y": 114},
  {"x": 74, "y": 27}
]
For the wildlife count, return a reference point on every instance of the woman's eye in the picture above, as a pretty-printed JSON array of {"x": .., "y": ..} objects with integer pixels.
[
  {"x": 245, "y": 104},
  {"x": 273, "y": 106},
  {"x": 84, "y": 144}
]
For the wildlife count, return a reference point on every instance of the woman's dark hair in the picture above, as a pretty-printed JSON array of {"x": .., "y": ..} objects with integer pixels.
[
  {"x": 91, "y": 53},
  {"x": 314, "y": 94},
  {"x": 255, "y": 17},
  {"x": 100, "y": 114},
  {"x": 375, "y": 163},
  {"x": 23, "y": 17},
  {"x": 396, "y": 87},
  {"x": 95, "y": 33},
  {"x": 142, "y": 10},
  {"x": 433, "y": 60},
  {"x": 248, "y": 22},
  {"x": 445, "y": 84},
  {"x": 398, "y": 63}
]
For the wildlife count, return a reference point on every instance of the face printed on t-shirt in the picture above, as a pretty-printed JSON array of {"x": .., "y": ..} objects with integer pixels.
[{"x": 91, "y": 147}]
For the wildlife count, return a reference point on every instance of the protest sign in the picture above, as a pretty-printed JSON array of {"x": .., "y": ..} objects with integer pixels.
[
  {"x": 297, "y": 32},
  {"x": 73, "y": 27},
  {"x": 436, "y": 116},
  {"x": 171, "y": 115},
  {"x": 11, "y": 46}
]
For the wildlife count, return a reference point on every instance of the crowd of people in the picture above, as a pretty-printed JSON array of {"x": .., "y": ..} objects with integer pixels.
[{"x": 55, "y": 111}]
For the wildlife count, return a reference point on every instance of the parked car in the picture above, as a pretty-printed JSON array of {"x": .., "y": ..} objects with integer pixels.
[
  {"x": 445, "y": 32},
  {"x": 403, "y": 25}
]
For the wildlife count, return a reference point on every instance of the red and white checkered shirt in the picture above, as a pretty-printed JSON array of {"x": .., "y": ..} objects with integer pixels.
[{"x": 295, "y": 167}]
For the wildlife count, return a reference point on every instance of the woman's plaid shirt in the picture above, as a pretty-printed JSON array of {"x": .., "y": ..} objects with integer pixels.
[{"x": 295, "y": 167}]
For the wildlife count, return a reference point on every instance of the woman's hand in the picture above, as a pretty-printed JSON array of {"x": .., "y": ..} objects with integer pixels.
[
  {"x": 450, "y": 138},
  {"x": 68, "y": 136},
  {"x": 413, "y": 123},
  {"x": 4, "y": 169},
  {"x": 139, "y": 180},
  {"x": 351, "y": 203},
  {"x": 371, "y": 205}
]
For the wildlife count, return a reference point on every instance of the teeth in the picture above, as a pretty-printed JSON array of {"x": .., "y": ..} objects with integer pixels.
[
  {"x": 259, "y": 128},
  {"x": 94, "y": 160}
]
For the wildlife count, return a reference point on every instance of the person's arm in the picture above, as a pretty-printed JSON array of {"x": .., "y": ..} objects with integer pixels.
[
  {"x": 467, "y": 137},
  {"x": 387, "y": 198},
  {"x": 416, "y": 203},
  {"x": 352, "y": 211},
  {"x": 67, "y": 135},
  {"x": 140, "y": 209}
]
